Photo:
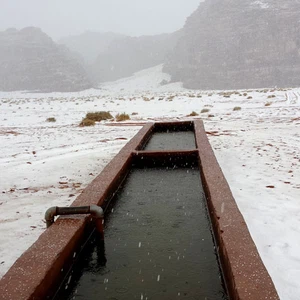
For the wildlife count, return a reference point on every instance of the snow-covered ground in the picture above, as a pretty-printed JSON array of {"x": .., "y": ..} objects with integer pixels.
[{"x": 45, "y": 164}]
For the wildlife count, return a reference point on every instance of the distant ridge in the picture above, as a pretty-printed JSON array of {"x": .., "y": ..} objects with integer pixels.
[{"x": 30, "y": 60}]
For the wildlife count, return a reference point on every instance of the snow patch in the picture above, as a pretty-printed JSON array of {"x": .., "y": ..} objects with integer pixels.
[
  {"x": 261, "y": 4},
  {"x": 152, "y": 79}
]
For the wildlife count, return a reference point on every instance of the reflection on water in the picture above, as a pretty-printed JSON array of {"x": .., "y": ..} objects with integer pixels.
[
  {"x": 158, "y": 243},
  {"x": 173, "y": 140}
]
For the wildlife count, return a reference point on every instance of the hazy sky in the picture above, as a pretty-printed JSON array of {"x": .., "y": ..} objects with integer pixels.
[{"x": 63, "y": 17}]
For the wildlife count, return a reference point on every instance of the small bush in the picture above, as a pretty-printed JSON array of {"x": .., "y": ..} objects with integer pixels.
[
  {"x": 170, "y": 98},
  {"x": 271, "y": 96},
  {"x": 193, "y": 114},
  {"x": 237, "y": 108},
  {"x": 122, "y": 117},
  {"x": 51, "y": 120},
  {"x": 204, "y": 110},
  {"x": 99, "y": 116},
  {"x": 249, "y": 97},
  {"x": 211, "y": 116},
  {"x": 134, "y": 113},
  {"x": 87, "y": 122},
  {"x": 268, "y": 103}
]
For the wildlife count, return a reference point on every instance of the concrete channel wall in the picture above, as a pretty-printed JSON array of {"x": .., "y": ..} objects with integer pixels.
[{"x": 37, "y": 274}]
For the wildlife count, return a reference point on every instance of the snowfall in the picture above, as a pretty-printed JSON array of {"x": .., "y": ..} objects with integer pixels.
[{"x": 255, "y": 135}]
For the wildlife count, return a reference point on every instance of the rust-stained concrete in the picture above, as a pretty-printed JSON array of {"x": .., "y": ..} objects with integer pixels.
[
  {"x": 38, "y": 272},
  {"x": 245, "y": 274}
]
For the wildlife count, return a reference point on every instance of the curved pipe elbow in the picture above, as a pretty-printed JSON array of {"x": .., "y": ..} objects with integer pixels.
[
  {"x": 96, "y": 211},
  {"x": 50, "y": 214}
]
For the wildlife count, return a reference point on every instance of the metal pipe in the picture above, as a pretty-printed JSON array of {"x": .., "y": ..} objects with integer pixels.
[{"x": 94, "y": 210}]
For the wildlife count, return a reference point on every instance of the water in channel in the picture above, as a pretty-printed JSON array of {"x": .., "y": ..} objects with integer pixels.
[
  {"x": 171, "y": 140},
  {"x": 158, "y": 242}
]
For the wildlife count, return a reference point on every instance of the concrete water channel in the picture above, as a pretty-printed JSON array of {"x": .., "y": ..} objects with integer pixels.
[
  {"x": 171, "y": 137},
  {"x": 172, "y": 231},
  {"x": 158, "y": 241}
]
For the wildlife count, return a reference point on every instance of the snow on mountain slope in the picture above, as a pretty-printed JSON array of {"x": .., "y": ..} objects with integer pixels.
[
  {"x": 145, "y": 80},
  {"x": 255, "y": 135}
]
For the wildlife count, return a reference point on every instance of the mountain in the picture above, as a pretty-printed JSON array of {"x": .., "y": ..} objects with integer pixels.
[
  {"x": 128, "y": 55},
  {"x": 90, "y": 44},
  {"x": 30, "y": 60},
  {"x": 235, "y": 44}
]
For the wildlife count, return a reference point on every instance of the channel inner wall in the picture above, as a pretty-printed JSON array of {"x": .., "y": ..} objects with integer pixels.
[{"x": 38, "y": 273}]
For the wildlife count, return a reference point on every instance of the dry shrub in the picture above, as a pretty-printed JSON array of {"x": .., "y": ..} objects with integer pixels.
[
  {"x": 99, "y": 116},
  {"x": 204, "y": 110},
  {"x": 193, "y": 114},
  {"x": 122, "y": 117},
  {"x": 51, "y": 119},
  {"x": 87, "y": 122}
]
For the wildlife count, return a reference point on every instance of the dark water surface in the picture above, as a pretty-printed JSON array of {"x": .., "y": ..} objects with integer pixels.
[
  {"x": 158, "y": 243},
  {"x": 172, "y": 140}
]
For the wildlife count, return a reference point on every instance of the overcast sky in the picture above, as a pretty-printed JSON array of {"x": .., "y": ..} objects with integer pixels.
[{"x": 64, "y": 17}]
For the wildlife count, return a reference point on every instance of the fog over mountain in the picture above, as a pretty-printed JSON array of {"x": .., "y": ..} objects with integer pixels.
[
  {"x": 90, "y": 44},
  {"x": 30, "y": 60},
  {"x": 126, "y": 56},
  {"x": 224, "y": 44},
  {"x": 72, "y": 17},
  {"x": 110, "y": 56},
  {"x": 230, "y": 44}
]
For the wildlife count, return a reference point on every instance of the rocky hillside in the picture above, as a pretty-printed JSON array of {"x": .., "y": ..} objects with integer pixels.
[
  {"x": 126, "y": 56},
  {"x": 231, "y": 44},
  {"x": 30, "y": 60}
]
